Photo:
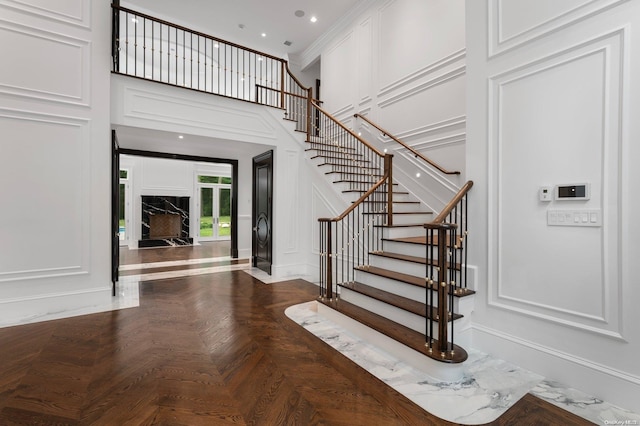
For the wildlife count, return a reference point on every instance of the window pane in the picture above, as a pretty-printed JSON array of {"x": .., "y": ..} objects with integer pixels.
[
  {"x": 206, "y": 212},
  {"x": 123, "y": 174}
]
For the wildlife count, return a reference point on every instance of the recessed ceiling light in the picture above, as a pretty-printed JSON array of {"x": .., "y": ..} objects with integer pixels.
[
  {"x": 418, "y": 174},
  {"x": 216, "y": 45},
  {"x": 180, "y": 137},
  {"x": 313, "y": 19},
  {"x": 299, "y": 13},
  {"x": 134, "y": 20},
  {"x": 263, "y": 34},
  {"x": 259, "y": 58}
]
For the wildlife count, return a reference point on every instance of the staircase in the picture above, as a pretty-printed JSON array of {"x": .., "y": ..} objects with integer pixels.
[{"x": 382, "y": 268}]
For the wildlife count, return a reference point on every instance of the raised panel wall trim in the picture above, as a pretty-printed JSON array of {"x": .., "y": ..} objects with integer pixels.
[
  {"x": 82, "y": 98},
  {"x": 430, "y": 129},
  {"x": 436, "y": 81},
  {"x": 437, "y": 143},
  {"x": 80, "y": 265},
  {"x": 166, "y": 113},
  {"x": 457, "y": 56},
  {"x": 293, "y": 207},
  {"x": 499, "y": 44},
  {"x": 343, "y": 110},
  {"x": 554, "y": 352},
  {"x": 608, "y": 46},
  {"x": 83, "y": 19}
]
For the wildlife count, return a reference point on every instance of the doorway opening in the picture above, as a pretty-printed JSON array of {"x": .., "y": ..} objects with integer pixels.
[{"x": 207, "y": 210}]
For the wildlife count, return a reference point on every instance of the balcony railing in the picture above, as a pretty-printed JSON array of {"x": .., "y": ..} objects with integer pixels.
[{"x": 152, "y": 49}]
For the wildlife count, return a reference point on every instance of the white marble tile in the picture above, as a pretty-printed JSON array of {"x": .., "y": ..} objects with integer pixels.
[
  {"x": 489, "y": 387},
  {"x": 189, "y": 272}
]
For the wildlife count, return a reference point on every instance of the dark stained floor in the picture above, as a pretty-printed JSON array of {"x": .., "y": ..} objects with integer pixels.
[{"x": 207, "y": 350}]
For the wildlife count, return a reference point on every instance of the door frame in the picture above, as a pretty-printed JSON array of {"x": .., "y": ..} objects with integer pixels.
[
  {"x": 267, "y": 158},
  {"x": 115, "y": 211},
  {"x": 196, "y": 158}
]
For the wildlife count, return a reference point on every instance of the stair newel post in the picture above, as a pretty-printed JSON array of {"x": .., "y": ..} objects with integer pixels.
[
  {"x": 329, "y": 293},
  {"x": 322, "y": 260},
  {"x": 388, "y": 171}
]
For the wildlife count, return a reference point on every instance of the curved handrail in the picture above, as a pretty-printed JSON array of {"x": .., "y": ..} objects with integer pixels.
[
  {"x": 351, "y": 132},
  {"x": 286, "y": 63},
  {"x": 454, "y": 202},
  {"x": 357, "y": 202},
  {"x": 413, "y": 151}
]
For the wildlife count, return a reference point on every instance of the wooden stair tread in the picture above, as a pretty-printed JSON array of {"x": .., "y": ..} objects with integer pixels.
[
  {"x": 409, "y": 305},
  {"x": 394, "y": 192},
  {"x": 406, "y": 278},
  {"x": 394, "y": 202},
  {"x": 335, "y": 172},
  {"x": 371, "y": 183},
  {"x": 340, "y": 147},
  {"x": 407, "y": 258},
  {"x": 334, "y": 157},
  {"x": 395, "y": 331},
  {"x": 401, "y": 225},
  {"x": 332, "y": 151},
  {"x": 349, "y": 165},
  {"x": 398, "y": 213},
  {"x": 422, "y": 240}
]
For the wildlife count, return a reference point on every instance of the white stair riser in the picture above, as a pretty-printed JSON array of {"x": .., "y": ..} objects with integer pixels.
[
  {"x": 408, "y": 249},
  {"x": 403, "y": 231},
  {"x": 411, "y": 268},
  {"x": 401, "y": 219},
  {"x": 408, "y": 319},
  {"x": 462, "y": 305}
]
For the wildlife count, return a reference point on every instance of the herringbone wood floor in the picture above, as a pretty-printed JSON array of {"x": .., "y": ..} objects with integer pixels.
[{"x": 205, "y": 350}]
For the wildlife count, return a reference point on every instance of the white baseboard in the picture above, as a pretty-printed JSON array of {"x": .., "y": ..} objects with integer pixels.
[{"x": 614, "y": 386}]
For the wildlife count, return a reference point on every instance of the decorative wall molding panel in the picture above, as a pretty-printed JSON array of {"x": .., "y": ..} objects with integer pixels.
[
  {"x": 450, "y": 60},
  {"x": 22, "y": 75},
  {"x": 421, "y": 87},
  {"x": 73, "y": 12},
  {"x": 167, "y": 109},
  {"x": 428, "y": 131},
  {"x": 54, "y": 237},
  {"x": 292, "y": 176},
  {"x": 365, "y": 60},
  {"x": 514, "y": 23},
  {"x": 575, "y": 96}
]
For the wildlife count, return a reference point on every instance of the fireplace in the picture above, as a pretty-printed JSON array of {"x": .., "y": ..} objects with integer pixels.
[{"x": 165, "y": 221}]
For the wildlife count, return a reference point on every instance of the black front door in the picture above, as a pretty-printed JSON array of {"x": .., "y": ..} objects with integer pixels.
[
  {"x": 115, "y": 209},
  {"x": 262, "y": 211}
]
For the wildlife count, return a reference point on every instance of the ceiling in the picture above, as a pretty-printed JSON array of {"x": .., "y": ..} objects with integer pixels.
[{"x": 275, "y": 18}]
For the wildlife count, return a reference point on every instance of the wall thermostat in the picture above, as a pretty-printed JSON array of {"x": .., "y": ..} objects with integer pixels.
[
  {"x": 545, "y": 193},
  {"x": 570, "y": 192}
]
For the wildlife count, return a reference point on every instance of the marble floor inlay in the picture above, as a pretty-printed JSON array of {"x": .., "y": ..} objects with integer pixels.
[{"x": 489, "y": 386}]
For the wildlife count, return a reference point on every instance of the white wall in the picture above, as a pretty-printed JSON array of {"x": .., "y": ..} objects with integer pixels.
[
  {"x": 55, "y": 162},
  {"x": 402, "y": 64},
  {"x": 551, "y": 101}
]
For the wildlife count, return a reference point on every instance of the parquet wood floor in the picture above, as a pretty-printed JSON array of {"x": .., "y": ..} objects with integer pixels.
[
  {"x": 205, "y": 350},
  {"x": 161, "y": 254}
]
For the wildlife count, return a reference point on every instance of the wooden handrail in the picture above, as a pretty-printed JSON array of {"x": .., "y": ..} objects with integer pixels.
[
  {"x": 356, "y": 203},
  {"x": 180, "y": 27},
  {"x": 348, "y": 130},
  {"x": 286, "y": 93},
  {"x": 294, "y": 77},
  {"x": 454, "y": 202},
  {"x": 413, "y": 151}
]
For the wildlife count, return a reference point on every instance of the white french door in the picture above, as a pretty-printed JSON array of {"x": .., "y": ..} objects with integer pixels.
[{"x": 215, "y": 212}]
